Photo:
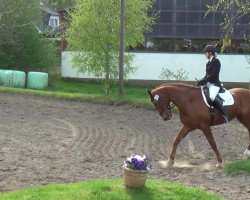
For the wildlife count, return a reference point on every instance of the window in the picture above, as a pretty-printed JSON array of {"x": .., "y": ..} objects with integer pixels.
[
  {"x": 167, "y": 5},
  {"x": 218, "y": 18},
  {"x": 156, "y": 30},
  {"x": 193, "y": 5},
  {"x": 204, "y": 4},
  {"x": 246, "y": 19},
  {"x": 181, "y": 5},
  {"x": 181, "y": 30},
  {"x": 217, "y": 31},
  {"x": 167, "y": 30},
  {"x": 239, "y": 31},
  {"x": 206, "y": 31},
  {"x": 188, "y": 19},
  {"x": 193, "y": 17},
  {"x": 181, "y": 17},
  {"x": 192, "y": 30},
  {"x": 206, "y": 19},
  {"x": 166, "y": 17},
  {"x": 54, "y": 22}
]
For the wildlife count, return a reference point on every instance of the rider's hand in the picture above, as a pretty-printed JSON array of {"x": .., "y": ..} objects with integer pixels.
[{"x": 200, "y": 82}]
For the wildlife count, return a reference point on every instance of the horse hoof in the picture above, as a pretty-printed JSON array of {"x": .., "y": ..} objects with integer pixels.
[
  {"x": 247, "y": 154},
  {"x": 166, "y": 164},
  {"x": 218, "y": 165}
]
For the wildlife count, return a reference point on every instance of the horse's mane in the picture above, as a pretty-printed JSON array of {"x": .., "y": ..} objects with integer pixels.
[{"x": 177, "y": 85}]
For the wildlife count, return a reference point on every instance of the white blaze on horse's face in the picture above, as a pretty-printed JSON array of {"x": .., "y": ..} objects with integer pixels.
[
  {"x": 162, "y": 108},
  {"x": 156, "y": 97}
]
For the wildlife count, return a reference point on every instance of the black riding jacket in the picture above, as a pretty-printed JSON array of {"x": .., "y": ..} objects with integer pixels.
[{"x": 212, "y": 73}]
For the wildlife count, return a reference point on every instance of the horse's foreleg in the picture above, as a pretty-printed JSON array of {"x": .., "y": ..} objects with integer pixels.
[
  {"x": 208, "y": 134},
  {"x": 182, "y": 133}
]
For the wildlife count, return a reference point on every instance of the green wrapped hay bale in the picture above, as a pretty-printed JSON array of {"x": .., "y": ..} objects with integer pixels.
[
  {"x": 13, "y": 78},
  {"x": 37, "y": 80}
]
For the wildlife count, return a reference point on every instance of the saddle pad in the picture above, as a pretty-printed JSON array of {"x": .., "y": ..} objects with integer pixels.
[{"x": 226, "y": 96}]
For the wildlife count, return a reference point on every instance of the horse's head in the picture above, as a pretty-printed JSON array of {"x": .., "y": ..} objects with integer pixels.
[{"x": 161, "y": 103}]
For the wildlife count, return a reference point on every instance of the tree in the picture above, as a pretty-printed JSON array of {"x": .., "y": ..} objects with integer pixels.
[
  {"x": 179, "y": 75},
  {"x": 14, "y": 16},
  {"x": 21, "y": 45},
  {"x": 94, "y": 35},
  {"x": 235, "y": 11},
  {"x": 37, "y": 52}
]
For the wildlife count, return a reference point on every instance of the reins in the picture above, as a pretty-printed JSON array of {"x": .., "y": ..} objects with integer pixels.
[
  {"x": 176, "y": 99},
  {"x": 172, "y": 106}
]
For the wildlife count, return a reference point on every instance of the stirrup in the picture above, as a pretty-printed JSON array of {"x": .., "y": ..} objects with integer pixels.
[{"x": 225, "y": 119}]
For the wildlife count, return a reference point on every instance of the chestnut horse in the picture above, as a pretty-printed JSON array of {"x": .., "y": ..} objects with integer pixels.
[{"x": 195, "y": 114}]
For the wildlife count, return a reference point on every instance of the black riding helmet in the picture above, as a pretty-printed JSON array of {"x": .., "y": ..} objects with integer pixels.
[{"x": 210, "y": 48}]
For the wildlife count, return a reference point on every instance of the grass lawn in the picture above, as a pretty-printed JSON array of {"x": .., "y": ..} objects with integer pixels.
[
  {"x": 88, "y": 91},
  {"x": 110, "y": 189},
  {"x": 76, "y": 86},
  {"x": 237, "y": 167}
]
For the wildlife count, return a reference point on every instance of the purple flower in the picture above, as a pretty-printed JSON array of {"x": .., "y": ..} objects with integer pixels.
[{"x": 137, "y": 162}]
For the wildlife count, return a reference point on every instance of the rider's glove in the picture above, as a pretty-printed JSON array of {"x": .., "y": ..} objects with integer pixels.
[{"x": 200, "y": 82}]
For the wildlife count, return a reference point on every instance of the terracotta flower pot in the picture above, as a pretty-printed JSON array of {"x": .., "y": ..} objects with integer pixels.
[{"x": 134, "y": 178}]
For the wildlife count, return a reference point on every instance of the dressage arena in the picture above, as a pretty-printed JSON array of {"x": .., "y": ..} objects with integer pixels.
[{"x": 45, "y": 140}]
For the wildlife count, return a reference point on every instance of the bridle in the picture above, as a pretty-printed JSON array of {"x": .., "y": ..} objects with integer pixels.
[
  {"x": 170, "y": 107},
  {"x": 166, "y": 109}
]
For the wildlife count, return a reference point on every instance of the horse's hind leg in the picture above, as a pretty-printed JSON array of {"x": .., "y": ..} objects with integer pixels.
[
  {"x": 245, "y": 120},
  {"x": 247, "y": 152},
  {"x": 208, "y": 134}
]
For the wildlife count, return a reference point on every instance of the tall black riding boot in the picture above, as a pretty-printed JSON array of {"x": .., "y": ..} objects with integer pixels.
[{"x": 217, "y": 103}]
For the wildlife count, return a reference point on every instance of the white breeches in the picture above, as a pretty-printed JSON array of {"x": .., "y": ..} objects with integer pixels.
[{"x": 213, "y": 91}]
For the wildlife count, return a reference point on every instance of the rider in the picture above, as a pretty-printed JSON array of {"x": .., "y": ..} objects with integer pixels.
[{"x": 211, "y": 79}]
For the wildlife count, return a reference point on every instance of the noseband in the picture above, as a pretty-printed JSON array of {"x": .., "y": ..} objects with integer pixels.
[{"x": 168, "y": 108}]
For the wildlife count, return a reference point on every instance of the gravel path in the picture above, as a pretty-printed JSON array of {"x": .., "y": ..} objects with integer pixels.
[{"x": 44, "y": 140}]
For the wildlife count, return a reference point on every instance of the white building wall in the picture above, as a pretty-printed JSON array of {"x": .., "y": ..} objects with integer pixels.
[{"x": 234, "y": 68}]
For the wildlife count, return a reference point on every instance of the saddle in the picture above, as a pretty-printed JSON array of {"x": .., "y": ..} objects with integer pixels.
[{"x": 225, "y": 97}]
